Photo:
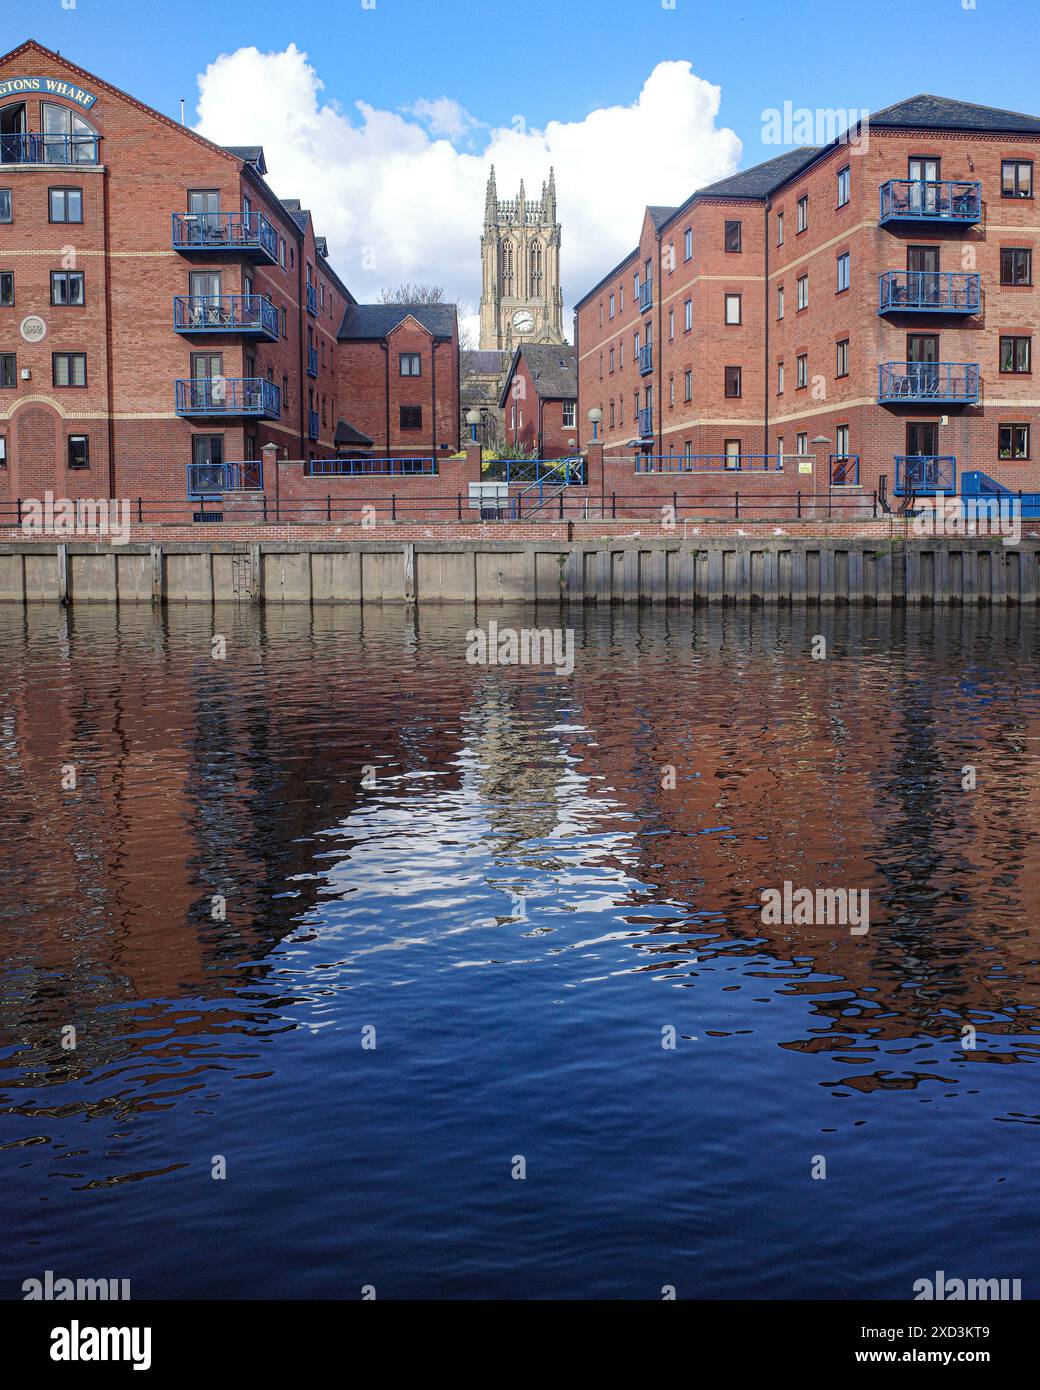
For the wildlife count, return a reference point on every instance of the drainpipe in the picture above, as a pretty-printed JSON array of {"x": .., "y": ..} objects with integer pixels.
[
  {"x": 433, "y": 394},
  {"x": 109, "y": 385},
  {"x": 659, "y": 350},
  {"x": 386, "y": 354},
  {"x": 301, "y": 300},
  {"x": 765, "y": 335}
]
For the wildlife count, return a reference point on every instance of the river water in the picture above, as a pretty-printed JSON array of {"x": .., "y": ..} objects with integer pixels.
[{"x": 346, "y": 964}]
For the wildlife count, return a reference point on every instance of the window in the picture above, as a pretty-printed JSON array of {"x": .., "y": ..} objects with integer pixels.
[
  {"x": 79, "y": 451},
  {"x": 803, "y": 291},
  {"x": 621, "y": 299},
  {"x": 841, "y": 441},
  {"x": 281, "y": 253},
  {"x": 1016, "y": 265},
  {"x": 66, "y": 204},
  {"x": 411, "y": 417},
  {"x": 732, "y": 381},
  {"x": 688, "y": 385},
  {"x": 733, "y": 308},
  {"x": 612, "y": 415},
  {"x": 779, "y": 301},
  {"x": 779, "y": 378},
  {"x": 843, "y": 272},
  {"x": 801, "y": 370},
  {"x": 803, "y": 212},
  {"x": 569, "y": 410},
  {"x": 8, "y": 370},
  {"x": 292, "y": 258},
  {"x": 687, "y": 244},
  {"x": 1016, "y": 178},
  {"x": 671, "y": 390},
  {"x": 5, "y": 205},
  {"x": 6, "y": 288},
  {"x": 732, "y": 238},
  {"x": 688, "y": 315},
  {"x": 285, "y": 322},
  {"x": 621, "y": 353},
  {"x": 671, "y": 323},
  {"x": 779, "y": 229},
  {"x": 732, "y": 447},
  {"x": 844, "y": 177},
  {"x": 3, "y": 450},
  {"x": 411, "y": 364},
  {"x": 801, "y": 444},
  {"x": 1015, "y": 354},
  {"x": 841, "y": 366},
  {"x": 611, "y": 360},
  {"x": 69, "y": 368},
  {"x": 611, "y": 311},
  {"x": 67, "y": 287},
  {"x": 780, "y": 449},
  {"x": 1013, "y": 441}
]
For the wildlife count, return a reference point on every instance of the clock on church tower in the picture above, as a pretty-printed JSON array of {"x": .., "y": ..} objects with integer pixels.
[{"x": 521, "y": 299}]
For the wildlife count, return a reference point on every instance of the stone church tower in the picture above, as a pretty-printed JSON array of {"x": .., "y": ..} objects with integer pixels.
[{"x": 521, "y": 299}]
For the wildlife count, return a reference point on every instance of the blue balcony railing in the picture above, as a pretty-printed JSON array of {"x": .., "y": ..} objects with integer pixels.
[
  {"x": 312, "y": 361},
  {"x": 931, "y": 200},
  {"x": 951, "y": 383},
  {"x": 645, "y": 420},
  {"x": 221, "y": 395},
  {"x": 31, "y": 148},
  {"x": 247, "y": 233},
  {"x": 844, "y": 470},
  {"x": 646, "y": 359},
  {"x": 312, "y": 299},
  {"x": 921, "y": 473},
  {"x": 313, "y": 424},
  {"x": 369, "y": 467},
  {"x": 207, "y": 479},
  {"x": 708, "y": 463},
  {"x": 225, "y": 313},
  {"x": 929, "y": 292},
  {"x": 646, "y": 295}
]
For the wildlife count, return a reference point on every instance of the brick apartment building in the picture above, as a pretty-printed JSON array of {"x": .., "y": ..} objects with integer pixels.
[
  {"x": 164, "y": 315},
  {"x": 876, "y": 293},
  {"x": 539, "y": 400}
]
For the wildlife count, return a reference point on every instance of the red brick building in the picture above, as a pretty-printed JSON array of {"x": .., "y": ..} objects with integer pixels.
[
  {"x": 164, "y": 315},
  {"x": 539, "y": 400},
  {"x": 876, "y": 293}
]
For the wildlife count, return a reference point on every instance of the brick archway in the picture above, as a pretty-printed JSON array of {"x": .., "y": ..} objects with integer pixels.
[{"x": 36, "y": 465}]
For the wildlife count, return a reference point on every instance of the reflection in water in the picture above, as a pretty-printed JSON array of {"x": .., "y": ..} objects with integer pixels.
[{"x": 520, "y": 882}]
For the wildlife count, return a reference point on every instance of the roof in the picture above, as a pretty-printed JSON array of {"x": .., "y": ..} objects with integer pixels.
[
  {"x": 347, "y": 434},
  {"x": 380, "y": 320},
  {"x": 659, "y": 216},
  {"x": 926, "y": 112},
  {"x": 484, "y": 361},
  {"x": 761, "y": 179},
  {"x": 251, "y": 154},
  {"x": 553, "y": 368}
]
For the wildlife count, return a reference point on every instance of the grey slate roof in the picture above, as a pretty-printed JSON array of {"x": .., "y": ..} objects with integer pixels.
[
  {"x": 378, "y": 320},
  {"x": 929, "y": 112},
  {"x": 659, "y": 216},
  {"x": 251, "y": 154},
  {"x": 347, "y": 434},
  {"x": 553, "y": 368},
  {"x": 760, "y": 180},
  {"x": 484, "y": 361}
]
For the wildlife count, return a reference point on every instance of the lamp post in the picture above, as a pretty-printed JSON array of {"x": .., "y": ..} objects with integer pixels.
[
  {"x": 473, "y": 420},
  {"x": 820, "y": 439},
  {"x": 595, "y": 416}
]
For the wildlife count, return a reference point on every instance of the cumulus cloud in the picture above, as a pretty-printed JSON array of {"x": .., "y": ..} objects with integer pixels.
[{"x": 400, "y": 195}]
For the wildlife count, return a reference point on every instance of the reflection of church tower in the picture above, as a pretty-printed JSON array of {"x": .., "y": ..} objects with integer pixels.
[{"x": 520, "y": 297}]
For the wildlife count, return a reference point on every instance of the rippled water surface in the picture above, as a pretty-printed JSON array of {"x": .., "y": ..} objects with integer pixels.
[{"x": 491, "y": 869}]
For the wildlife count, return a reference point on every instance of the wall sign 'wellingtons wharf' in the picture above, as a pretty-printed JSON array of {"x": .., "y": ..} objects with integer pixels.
[{"x": 47, "y": 86}]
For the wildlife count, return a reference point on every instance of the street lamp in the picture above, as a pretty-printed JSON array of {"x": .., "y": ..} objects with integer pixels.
[
  {"x": 473, "y": 420},
  {"x": 595, "y": 416}
]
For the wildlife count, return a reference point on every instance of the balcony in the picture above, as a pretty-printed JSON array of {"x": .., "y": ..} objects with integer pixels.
[
  {"x": 646, "y": 296},
  {"x": 645, "y": 420},
  {"x": 646, "y": 359},
  {"x": 249, "y": 314},
  {"x": 225, "y": 233},
  {"x": 312, "y": 424},
  {"x": 952, "y": 201},
  {"x": 206, "y": 479},
  {"x": 939, "y": 383},
  {"x": 312, "y": 299},
  {"x": 929, "y": 292},
  {"x": 844, "y": 470},
  {"x": 921, "y": 473},
  {"x": 62, "y": 150},
  {"x": 229, "y": 396},
  {"x": 312, "y": 361}
]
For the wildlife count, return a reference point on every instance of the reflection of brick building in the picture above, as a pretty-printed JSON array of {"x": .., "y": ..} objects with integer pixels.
[
  {"x": 878, "y": 295},
  {"x": 539, "y": 400}
]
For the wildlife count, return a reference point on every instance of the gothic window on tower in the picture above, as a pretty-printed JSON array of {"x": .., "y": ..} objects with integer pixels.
[
  {"x": 507, "y": 268},
  {"x": 536, "y": 269}
]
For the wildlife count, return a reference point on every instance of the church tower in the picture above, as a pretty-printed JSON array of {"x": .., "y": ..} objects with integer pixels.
[{"x": 520, "y": 299}]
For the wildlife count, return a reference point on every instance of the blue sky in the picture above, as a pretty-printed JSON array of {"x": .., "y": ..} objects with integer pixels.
[{"x": 575, "y": 55}]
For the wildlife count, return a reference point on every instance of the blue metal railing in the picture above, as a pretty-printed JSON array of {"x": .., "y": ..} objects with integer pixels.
[
  {"x": 844, "y": 470},
  {"x": 313, "y": 424},
  {"x": 646, "y": 295},
  {"x": 976, "y": 486},
  {"x": 570, "y": 471},
  {"x": 221, "y": 395},
  {"x": 33, "y": 148},
  {"x": 248, "y": 232},
  {"x": 225, "y": 313},
  {"x": 646, "y": 359},
  {"x": 922, "y": 473},
  {"x": 370, "y": 466},
  {"x": 708, "y": 463},
  {"x": 954, "y": 382},
  {"x": 205, "y": 479},
  {"x": 645, "y": 422},
  {"x": 931, "y": 200},
  {"x": 929, "y": 291},
  {"x": 312, "y": 299},
  {"x": 312, "y": 361}
]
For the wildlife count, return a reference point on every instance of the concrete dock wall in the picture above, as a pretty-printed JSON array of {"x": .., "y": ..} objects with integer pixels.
[{"x": 612, "y": 570}]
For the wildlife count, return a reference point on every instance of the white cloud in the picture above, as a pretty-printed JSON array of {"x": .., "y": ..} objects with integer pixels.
[{"x": 399, "y": 201}]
